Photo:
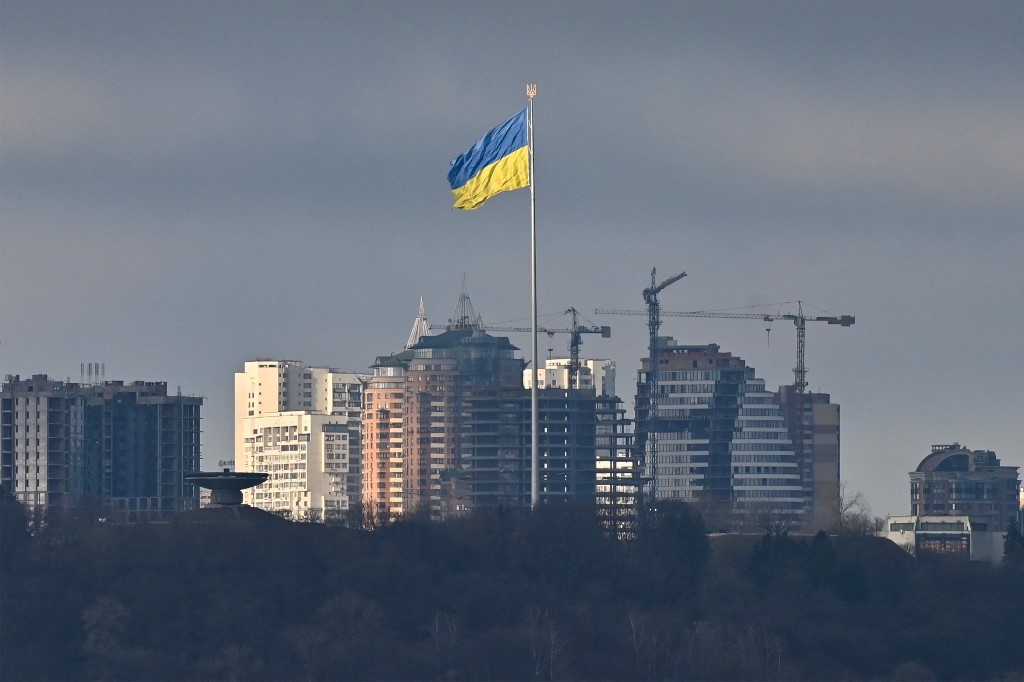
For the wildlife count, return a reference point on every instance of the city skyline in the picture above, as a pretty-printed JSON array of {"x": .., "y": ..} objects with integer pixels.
[{"x": 188, "y": 186}]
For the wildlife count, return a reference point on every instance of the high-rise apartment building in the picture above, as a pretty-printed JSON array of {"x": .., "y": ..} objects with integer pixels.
[
  {"x": 145, "y": 443},
  {"x": 447, "y": 426},
  {"x": 424, "y": 387},
  {"x": 581, "y": 433},
  {"x": 812, "y": 420},
  {"x": 43, "y": 456},
  {"x": 302, "y": 426},
  {"x": 954, "y": 480},
  {"x": 384, "y": 436},
  {"x": 720, "y": 439},
  {"x": 127, "y": 447}
]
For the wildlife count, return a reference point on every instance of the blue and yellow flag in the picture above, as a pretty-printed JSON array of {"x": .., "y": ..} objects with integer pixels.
[{"x": 498, "y": 162}]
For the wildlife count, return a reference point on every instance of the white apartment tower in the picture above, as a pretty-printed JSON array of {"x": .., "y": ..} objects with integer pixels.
[
  {"x": 301, "y": 425},
  {"x": 596, "y": 374}
]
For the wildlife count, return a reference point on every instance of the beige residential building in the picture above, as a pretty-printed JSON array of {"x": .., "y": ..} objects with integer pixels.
[
  {"x": 301, "y": 425},
  {"x": 812, "y": 420}
]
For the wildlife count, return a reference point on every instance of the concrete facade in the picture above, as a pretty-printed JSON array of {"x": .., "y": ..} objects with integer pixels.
[
  {"x": 812, "y": 421},
  {"x": 43, "y": 457},
  {"x": 302, "y": 426},
  {"x": 123, "y": 447}
]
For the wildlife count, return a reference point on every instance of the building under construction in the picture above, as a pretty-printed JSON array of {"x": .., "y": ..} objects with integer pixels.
[
  {"x": 124, "y": 448},
  {"x": 717, "y": 439},
  {"x": 447, "y": 428},
  {"x": 731, "y": 480},
  {"x": 582, "y": 439}
]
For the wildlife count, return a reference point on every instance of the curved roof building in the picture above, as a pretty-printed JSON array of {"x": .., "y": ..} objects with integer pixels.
[{"x": 954, "y": 480}]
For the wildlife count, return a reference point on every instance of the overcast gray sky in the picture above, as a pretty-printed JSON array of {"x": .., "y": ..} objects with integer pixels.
[{"x": 187, "y": 185}]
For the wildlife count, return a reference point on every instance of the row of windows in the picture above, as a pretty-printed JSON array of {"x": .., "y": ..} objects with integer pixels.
[
  {"x": 765, "y": 482},
  {"x": 761, "y": 458},
  {"x": 683, "y": 414},
  {"x": 764, "y": 494},
  {"x": 683, "y": 447},
  {"x": 762, "y": 423},
  {"x": 682, "y": 401},
  {"x": 677, "y": 482},
  {"x": 688, "y": 375},
  {"x": 675, "y": 435},
  {"x": 686, "y": 388},
  {"x": 675, "y": 459},
  {"x": 768, "y": 447},
  {"x": 676, "y": 471},
  {"x": 297, "y": 466},
  {"x": 758, "y": 435},
  {"x": 761, "y": 470}
]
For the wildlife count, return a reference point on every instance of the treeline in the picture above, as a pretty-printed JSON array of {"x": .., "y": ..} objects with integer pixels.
[{"x": 495, "y": 596}]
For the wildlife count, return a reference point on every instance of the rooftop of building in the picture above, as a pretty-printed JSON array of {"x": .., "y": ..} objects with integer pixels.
[
  {"x": 454, "y": 338},
  {"x": 957, "y": 458},
  {"x": 43, "y": 383},
  {"x": 669, "y": 343},
  {"x": 394, "y": 360}
]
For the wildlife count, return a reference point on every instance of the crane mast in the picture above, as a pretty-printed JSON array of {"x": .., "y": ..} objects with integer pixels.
[{"x": 650, "y": 295}]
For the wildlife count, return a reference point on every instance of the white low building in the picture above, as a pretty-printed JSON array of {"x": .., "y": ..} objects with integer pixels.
[{"x": 951, "y": 536}]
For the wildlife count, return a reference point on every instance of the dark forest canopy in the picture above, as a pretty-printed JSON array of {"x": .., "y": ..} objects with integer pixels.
[{"x": 494, "y": 596}]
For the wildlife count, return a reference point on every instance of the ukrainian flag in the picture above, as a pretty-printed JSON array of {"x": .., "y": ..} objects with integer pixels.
[{"x": 498, "y": 162}]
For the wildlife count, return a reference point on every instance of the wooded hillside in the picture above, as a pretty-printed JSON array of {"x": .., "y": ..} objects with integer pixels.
[{"x": 495, "y": 596}]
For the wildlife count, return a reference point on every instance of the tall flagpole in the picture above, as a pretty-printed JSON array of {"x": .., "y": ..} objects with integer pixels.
[{"x": 531, "y": 92}]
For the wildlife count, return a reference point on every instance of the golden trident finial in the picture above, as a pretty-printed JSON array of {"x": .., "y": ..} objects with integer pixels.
[{"x": 531, "y": 90}]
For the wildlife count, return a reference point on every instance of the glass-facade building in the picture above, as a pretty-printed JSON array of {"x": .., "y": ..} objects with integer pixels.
[{"x": 716, "y": 438}]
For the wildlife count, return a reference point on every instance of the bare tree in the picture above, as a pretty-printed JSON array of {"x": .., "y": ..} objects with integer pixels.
[
  {"x": 763, "y": 517},
  {"x": 547, "y": 644},
  {"x": 446, "y": 632},
  {"x": 853, "y": 515}
]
